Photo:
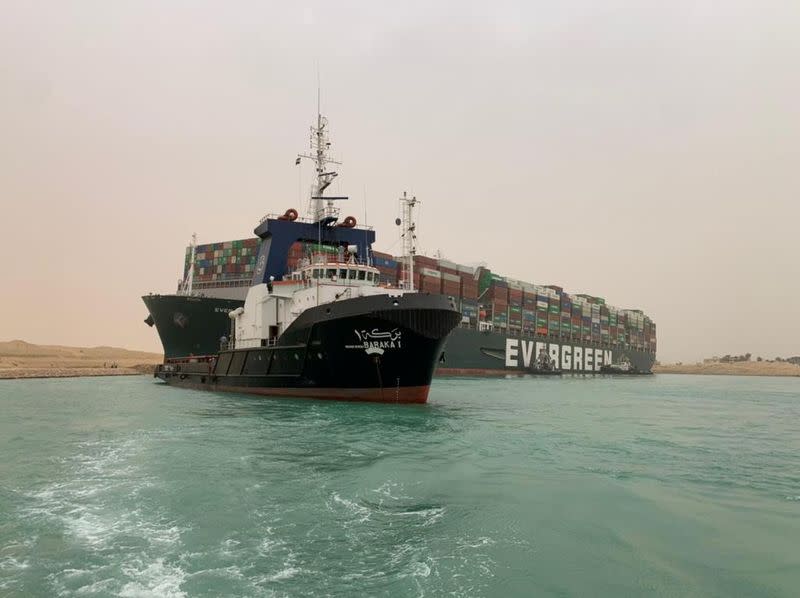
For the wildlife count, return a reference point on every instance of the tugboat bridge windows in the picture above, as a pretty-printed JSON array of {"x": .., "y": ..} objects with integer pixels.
[{"x": 340, "y": 275}]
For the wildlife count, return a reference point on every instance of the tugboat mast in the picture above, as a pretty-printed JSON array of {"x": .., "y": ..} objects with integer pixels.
[{"x": 320, "y": 206}]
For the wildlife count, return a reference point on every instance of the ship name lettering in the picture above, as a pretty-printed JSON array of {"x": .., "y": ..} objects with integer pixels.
[
  {"x": 382, "y": 344},
  {"x": 512, "y": 349},
  {"x": 527, "y": 353},
  {"x": 566, "y": 357},
  {"x": 554, "y": 355},
  {"x": 577, "y": 352}
]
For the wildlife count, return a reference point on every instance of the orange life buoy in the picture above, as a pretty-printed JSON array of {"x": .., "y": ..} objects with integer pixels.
[
  {"x": 349, "y": 222},
  {"x": 291, "y": 214}
]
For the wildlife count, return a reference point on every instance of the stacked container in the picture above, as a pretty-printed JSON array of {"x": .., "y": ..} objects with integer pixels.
[
  {"x": 451, "y": 285},
  {"x": 446, "y": 266},
  {"x": 595, "y": 322},
  {"x": 421, "y": 261},
  {"x": 510, "y": 304},
  {"x": 486, "y": 279},
  {"x": 231, "y": 262},
  {"x": 295, "y": 255},
  {"x": 651, "y": 341},
  {"x": 542, "y": 308},
  {"x": 577, "y": 315},
  {"x": 528, "y": 309},
  {"x": 388, "y": 266},
  {"x": 430, "y": 280},
  {"x": 515, "y": 305},
  {"x": 586, "y": 320},
  {"x": 554, "y": 311},
  {"x": 497, "y": 296},
  {"x": 469, "y": 286},
  {"x": 469, "y": 309},
  {"x": 604, "y": 321},
  {"x": 612, "y": 324},
  {"x": 566, "y": 315}
]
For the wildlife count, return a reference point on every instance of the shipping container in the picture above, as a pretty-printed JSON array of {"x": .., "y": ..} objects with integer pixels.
[
  {"x": 498, "y": 293},
  {"x": 424, "y": 262},
  {"x": 469, "y": 270}
]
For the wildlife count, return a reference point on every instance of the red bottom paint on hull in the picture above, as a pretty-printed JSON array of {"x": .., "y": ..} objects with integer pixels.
[{"x": 409, "y": 394}]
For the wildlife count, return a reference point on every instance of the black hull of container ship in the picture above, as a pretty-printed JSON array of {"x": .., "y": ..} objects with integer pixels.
[
  {"x": 378, "y": 348},
  {"x": 190, "y": 325},
  {"x": 468, "y": 352}
]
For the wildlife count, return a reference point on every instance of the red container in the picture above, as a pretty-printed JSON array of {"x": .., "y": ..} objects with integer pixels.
[
  {"x": 498, "y": 294},
  {"x": 469, "y": 288},
  {"x": 450, "y": 288},
  {"x": 425, "y": 262}
]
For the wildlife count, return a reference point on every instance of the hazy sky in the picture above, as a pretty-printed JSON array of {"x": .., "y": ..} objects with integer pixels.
[{"x": 647, "y": 152}]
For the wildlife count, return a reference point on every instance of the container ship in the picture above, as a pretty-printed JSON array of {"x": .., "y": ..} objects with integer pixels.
[{"x": 507, "y": 326}]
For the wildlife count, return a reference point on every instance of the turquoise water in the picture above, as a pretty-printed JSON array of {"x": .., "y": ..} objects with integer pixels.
[{"x": 662, "y": 486}]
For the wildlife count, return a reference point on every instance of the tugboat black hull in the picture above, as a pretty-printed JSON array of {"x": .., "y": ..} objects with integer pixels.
[
  {"x": 542, "y": 372},
  {"x": 378, "y": 348},
  {"x": 616, "y": 371}
]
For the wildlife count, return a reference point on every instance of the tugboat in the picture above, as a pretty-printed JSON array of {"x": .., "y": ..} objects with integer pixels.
[
  {"x": 327, "y": 329},
  {"x": 544, "y": 365},
  {"x": 622, "y": 367}
]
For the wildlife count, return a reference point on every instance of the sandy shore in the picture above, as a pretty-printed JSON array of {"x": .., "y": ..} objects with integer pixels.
[
  {"x": 746, "y": 368},
  {"x": 19, "y": 359},
  {"x": 14, "y": 373}
]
